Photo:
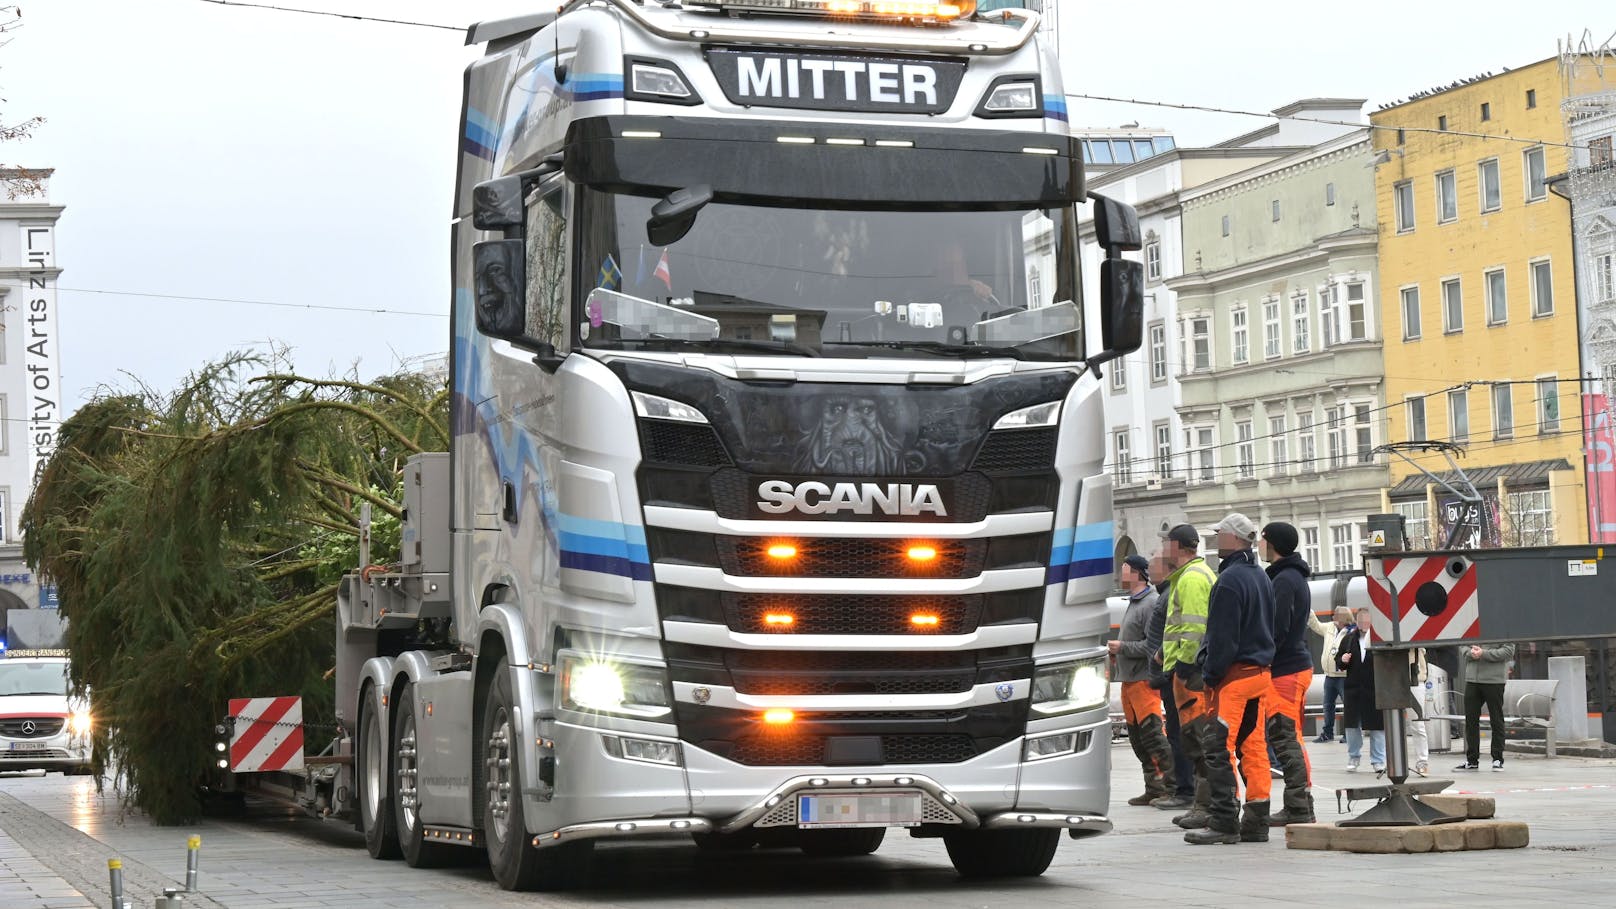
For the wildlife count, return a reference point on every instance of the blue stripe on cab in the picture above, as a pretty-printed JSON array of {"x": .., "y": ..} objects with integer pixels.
[
  {"x": 1081, "y": 552},
  {"x": 583, "y": 561}
]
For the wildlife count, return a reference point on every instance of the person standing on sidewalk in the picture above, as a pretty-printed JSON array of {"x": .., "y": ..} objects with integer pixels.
[
  {"x": 1141, "y": 704},
  {"x": 1485, "y": 670},
  {"x": 1335, "y": 679},
  {"x": 1359, "y": 714},
  {"x": 1292, "y": 671},
  {"x": 1235, "y": 659},
  {"x": 1182, "y": 634},
  {"x": 1161, "y": 681},
  {"x": 1419, "y": 673}
]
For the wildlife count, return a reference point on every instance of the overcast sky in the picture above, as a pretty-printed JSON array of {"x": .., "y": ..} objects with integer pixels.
[{"x": 209, "y": 151}]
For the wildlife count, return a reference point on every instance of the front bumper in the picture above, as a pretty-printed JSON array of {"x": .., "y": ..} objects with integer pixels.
[
  {"x": 996, "y": 790},
  {"x": 63, "y": 751}
]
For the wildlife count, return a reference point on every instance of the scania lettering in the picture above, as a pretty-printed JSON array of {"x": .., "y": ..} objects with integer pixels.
[
  {"x": 780, "y": 497},
  {"x": 775, "y": 510}
]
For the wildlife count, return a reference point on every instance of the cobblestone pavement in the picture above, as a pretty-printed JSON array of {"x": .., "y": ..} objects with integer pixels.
[{"x": 56, "y": 835}]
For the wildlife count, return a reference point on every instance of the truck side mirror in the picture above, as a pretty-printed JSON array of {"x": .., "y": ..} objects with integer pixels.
[
  {"x": 1116, "y": 226},
  {"x": 497, "y": 204},
  {"x": 1122, "y": 305},
  {"x": 673, "y": 217},
  {"x": 501, "y": 277}
]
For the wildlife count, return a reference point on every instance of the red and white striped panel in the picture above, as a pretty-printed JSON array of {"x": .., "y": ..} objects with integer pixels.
[
  {"x": 267, "y": 734},
  {"x": 1436, "y": 597}
]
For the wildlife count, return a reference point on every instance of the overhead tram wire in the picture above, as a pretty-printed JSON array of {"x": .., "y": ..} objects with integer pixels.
[
  {"x": 327, "y": 307},
  {"x": 321, "y": 12}
]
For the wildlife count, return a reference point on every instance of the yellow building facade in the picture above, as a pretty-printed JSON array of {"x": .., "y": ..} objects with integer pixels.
[{"x": 1479, "y": 308}]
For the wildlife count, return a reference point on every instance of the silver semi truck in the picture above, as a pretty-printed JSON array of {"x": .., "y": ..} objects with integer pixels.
[{"x": 775, "y": 512}]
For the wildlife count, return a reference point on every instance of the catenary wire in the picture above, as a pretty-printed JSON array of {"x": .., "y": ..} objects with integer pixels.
[
  {"x": 329, "y": 307},
  {"x": 321, "y": 12}
]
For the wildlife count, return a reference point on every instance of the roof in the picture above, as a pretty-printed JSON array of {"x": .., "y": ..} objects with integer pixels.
[{"x": 1530, "y": 473}]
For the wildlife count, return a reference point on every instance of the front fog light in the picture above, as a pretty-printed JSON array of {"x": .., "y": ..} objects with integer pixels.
[
  {"x": 1048, "y": 746},
  {"x": 1070, "y": 687},
  {"x": 1012, "y": 97},
  {"x": 651, "y": 751},
  {"x": 650, "y": 79},
  {"x": 80, "y": 723}
]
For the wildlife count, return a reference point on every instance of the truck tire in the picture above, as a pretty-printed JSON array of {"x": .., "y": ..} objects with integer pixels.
[
  {"x": 516, "y": 862},
  {"x": 1001, "y": 853},
  {"x": 374, "y": 774},
  {"x": 418, "y": 853},
  {"x": 838, "y": 843}
]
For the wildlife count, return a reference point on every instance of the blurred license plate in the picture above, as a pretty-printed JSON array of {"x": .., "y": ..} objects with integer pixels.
[
  {"x": 27, "y": 746},
  {"x": 859, "y": 809}
]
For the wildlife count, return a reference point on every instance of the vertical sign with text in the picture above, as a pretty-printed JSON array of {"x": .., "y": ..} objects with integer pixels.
[
  {"x": 39, "y": 348},
  {"x": 1599, "y": 449}
]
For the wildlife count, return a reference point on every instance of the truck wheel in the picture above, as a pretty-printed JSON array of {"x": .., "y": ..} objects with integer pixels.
[
  {"x": 375, "y": 772},
  {"x": 517, "y": 863},
  {"x": 1001, "y": 853},
  {"x": 406, "y": 792},
  {"x": 841, "y": 842}
]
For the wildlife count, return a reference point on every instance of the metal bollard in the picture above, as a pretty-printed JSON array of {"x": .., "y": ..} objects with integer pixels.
[
  {"x": 193, "y": 848},
  {"x": 115, "y": 885}
]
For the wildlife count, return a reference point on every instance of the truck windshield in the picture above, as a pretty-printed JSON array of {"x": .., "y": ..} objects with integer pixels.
[
  {"x": 805, "y": 282},
  {"x": 22, "y": 678}
]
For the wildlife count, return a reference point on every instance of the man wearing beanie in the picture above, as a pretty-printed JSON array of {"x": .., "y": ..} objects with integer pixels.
[
  {"x": 1292, "y": 671},
  {"x": 1234, "y": 659},
  {"x": 1141, "y": 705}
]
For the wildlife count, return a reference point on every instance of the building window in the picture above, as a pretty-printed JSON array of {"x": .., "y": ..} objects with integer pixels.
[
  {"x": 1416, "y": 524},
  {"x": 1301, "y": 321},
  {"x": 1503, "y": 411},
  {"x": 1447, "y": 197},
  {"x": 1276, "y": 209},
  {"x": 1245, "y": 450},
  {"x": 1536, "y": 174},
  {"x": 1329, "y": 194},
  {"x": 1119, "y": 377},
  {"x": 1205, "y": 455},
  {"x": 1364, "y": 430},
  {"x": 1239, "y": 335},
  {"x": 1201, "y": 344},
  {"x": 1497, "y": 297},
  {"x": 1458, "y": 416},
  {"x": 1411, "y": 313},
  {"x": 1416, "y": 418},
  {"x": 1543, "y": 288},
  {"x": 1035, "y": 286},
  {"x": 1400, "y": 137},
  {"x": 1164, "y": 450},
  {"x": 1122, "y": 460},
  {"x": 1486, "y": 111},
  {"x": 1310, "y": 547},
  {"x": 1329, "y": 316},
  {"x": 1531, "y": 98},
  {"x": 1346, "y": 545},
  {"x": 1357, "y": 312},
  {"x": 1599, "y": 151},
  {"x": 1153, "y": 270},
  {"x": 1605, "y": 278},
  {"x": 1335, "y": 437},
  {"x": 1306, "y": 452},
  {"x": 1548, "y": 406},
  {"x": 1452, "y": 306},
  {"x": 1531, "y": 516},
  {"x": 1225, "y": 225},
  {"x": 1158, "y": 353},
  {"x": 1442, "y": 123},
  {"x": 1491, "y": 193},
  {"x": 1403, "y": 201},
  {"x": 1272, "y": 342},
  {"x": 1278, "y": 450}
]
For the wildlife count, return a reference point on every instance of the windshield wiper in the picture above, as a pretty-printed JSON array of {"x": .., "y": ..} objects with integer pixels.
[
  {"x": 939, "y": 348},
  {"x": 717, "y": 345}
]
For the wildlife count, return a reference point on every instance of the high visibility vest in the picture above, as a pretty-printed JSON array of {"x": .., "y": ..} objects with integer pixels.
[{"x": 1186, "y": 613}]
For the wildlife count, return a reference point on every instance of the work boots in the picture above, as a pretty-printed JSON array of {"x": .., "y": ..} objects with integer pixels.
[
  {"x": 1197, "y": 817},
  {"x": 1213, "y": 836},
  {"x": 1155, "y": 788},
  {"x": 1300, "y": 814},
  {"x": 1254, "y": 823}
]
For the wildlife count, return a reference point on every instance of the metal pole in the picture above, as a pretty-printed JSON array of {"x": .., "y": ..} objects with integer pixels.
[
  {"x": 193, "y": 848},
  {"x": 115, "y": 885}
]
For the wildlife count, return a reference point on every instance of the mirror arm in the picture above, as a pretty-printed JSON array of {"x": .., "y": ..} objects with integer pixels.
[
  {"x": 1094, "y": 363},
  {"x": 548, "y": 358}
]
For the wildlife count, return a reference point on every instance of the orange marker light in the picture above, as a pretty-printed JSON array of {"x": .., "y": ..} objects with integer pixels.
[
  {"x": 779, "y": 716},
  {"x": 782, "y": 551},
  {"x": 922, "y": 553},
  {"x": 923, "y": 620},
  {"x": 779, "y": 620}
]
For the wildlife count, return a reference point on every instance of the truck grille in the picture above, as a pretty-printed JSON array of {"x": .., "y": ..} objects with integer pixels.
[
  {"x": 769, "y": 672},
  {"x": 43, "y": 726},
  {"x": 769, "y": 750},
  {"x": 850, "y": 558},
  {"x": 852, "y": 614},
  {"x": 684, "y": 444},
  {"x": 1016, "y": 449}
]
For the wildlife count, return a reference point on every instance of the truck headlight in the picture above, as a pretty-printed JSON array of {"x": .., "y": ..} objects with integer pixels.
[
  {"x": 1070, "y": 687},
  {"x": 601, "y": 686},
  {"x": 80, "y": 723}
]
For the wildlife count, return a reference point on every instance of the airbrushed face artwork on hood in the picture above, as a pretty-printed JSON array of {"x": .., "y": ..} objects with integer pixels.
[{"x": 849, "y": 438}]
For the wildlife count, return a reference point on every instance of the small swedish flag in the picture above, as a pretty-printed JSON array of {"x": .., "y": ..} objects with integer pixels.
[{"x": 611, "y": 277}]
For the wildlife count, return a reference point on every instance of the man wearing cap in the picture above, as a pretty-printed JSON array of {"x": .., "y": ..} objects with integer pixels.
[
  {"x": 1292, "y": 670},
  {"x": 1184, "y": 627},
  {"x": 1234, "y": 659},
  {"x": 1141, "y": 705}
]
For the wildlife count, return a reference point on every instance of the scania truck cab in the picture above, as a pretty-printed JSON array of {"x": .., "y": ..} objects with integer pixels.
[{"x": 775, "y": 512}]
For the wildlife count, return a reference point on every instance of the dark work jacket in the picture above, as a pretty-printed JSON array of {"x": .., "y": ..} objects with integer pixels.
[
  {"x": 1358, "y": 691},
  {"x": 1159, "y": 678},
  {"x": 1293, "y": 602},
  {"x": 1239, "y": 619}
]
